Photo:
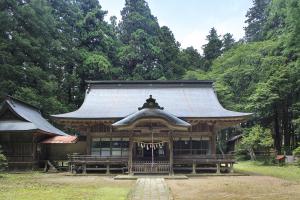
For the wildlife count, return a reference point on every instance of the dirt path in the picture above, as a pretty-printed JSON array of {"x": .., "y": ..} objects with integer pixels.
[
  {"x": 234, "y": 188},
  {"x": 150, "y": 189}
]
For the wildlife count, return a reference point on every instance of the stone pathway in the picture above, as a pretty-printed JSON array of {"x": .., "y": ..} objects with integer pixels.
[{"x": 151, "y": 189}]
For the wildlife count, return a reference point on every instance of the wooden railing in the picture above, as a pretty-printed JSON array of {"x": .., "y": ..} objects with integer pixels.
[
  {"x": 19, "y": 158},
  {"x": 149, "y": 167},
  {"x": 177, "y": 159},
  {"x": 74, "y": 158},
  {"x": 209, "y": 159}
]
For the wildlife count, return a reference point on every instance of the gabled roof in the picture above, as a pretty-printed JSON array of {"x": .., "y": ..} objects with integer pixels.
[
  {"x": 118, "y": 99},
  {"x": 27, "y": 118},
  {"x": 151, "y": 110}
]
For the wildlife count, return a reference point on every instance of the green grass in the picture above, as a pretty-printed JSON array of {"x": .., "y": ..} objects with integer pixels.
[
  {"x": 288, "y": 172},
  {"x": 32, "y": 186}
]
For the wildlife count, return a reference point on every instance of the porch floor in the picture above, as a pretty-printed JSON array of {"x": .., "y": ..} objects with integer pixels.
[{"x": 135, "y": 177}]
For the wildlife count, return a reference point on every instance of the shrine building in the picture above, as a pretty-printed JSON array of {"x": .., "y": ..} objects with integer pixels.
[{"x": 143, "y": 127}]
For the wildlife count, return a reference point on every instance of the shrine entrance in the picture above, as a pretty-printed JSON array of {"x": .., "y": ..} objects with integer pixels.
[
  {"x": 145, "y": 151},
  {"x": 150, "y": 142}
]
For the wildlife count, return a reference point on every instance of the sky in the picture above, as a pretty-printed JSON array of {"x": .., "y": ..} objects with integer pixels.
[{"x": 191, "y": 20}]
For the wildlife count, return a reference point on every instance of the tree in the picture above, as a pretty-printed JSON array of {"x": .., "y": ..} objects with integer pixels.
[
  {"x": 139, "y": 32},
  {"x": 191, "y": 59},
  {"x": 169, "y": 56},
  {"x": 228, "y": 42},
  {"x": 3, "y": 161},
  {"x": 212, "y": 49},
  {"x": 256, "y": 138},
  {"x": 256, "y": 18}
]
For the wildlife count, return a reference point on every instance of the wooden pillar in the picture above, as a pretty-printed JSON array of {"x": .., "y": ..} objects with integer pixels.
[
  {"x": 88, "y": 144},
  {"x": 214, "y": 140},
  {"x": 194, "y": 168},
  {"x": 231, "y": 168},
  {"x": 107, "y": 169},
  {"x": 84, "y": 168},
  {"x": 130, "y": 154},
  {"x": 171, "y": 153},
  {"x": 34, "y": 149},
  {"x": 218, "y": 168}
]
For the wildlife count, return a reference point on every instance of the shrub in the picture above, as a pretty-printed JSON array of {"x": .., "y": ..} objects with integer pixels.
[
  {"x": 256, "y": 139},
  {"x": 296, "y": 153},
  {"x": 3, "y": 161}
]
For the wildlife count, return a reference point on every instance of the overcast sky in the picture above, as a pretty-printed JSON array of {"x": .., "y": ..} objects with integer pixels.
[{"x": 190, "y": 20}]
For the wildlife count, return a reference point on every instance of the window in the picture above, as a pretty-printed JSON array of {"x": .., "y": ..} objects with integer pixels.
[
  {"x": 195, "y": 146},
  {"x": 110, "y": 146},
  {"x": 200, "y": 146},
  {"x": 105, "y": 147},
  {"x": 116, "y": 147},
  {"x": 182, "y": 146},
  {"x": 96, "y": 146}
]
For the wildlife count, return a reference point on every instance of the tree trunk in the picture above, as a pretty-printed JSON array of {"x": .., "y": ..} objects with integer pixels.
[
  {"x": 285, "y": 128},
  {"x": 252, "y": 154},
  {"x": 277, "y": 135}
]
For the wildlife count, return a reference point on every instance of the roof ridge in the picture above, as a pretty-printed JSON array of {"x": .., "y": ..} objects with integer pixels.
[
  {"x": 149, "y": 82},
  {"x": 8, "y": 97}
]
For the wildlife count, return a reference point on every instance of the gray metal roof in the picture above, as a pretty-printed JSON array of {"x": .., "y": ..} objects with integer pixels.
[
  {"x": 118, "y": 99},
  {"x": 32, "y": 117},
  {"x": 149, "y": 113}
]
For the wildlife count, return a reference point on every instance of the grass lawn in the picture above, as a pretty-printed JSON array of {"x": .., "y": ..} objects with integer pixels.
[
  {"x": 35, "y": 185},
  {"x": 288, "y": 172}
]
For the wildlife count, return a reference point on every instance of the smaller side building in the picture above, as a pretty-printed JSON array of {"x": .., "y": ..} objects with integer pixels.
[{"x": 22, "y": 132}]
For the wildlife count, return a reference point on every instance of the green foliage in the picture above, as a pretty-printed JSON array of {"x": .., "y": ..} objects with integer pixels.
[
  {"x": 228, "y": 42},
  {"x": 296, "y": 152},
  {"x": 256, "y": 19},
  {"x": 213, "y": 48},
  {"x": 48, "y": 49},
  {"x": 3, "y": 161},
  {"x": 256, "y": 139}
]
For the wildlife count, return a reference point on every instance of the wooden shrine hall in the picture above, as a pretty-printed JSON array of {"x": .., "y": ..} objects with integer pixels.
[{"x": 142, "y": 127}]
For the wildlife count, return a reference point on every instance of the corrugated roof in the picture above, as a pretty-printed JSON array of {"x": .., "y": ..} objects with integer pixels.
[
  {"x": 33, "y": 119},
  {"x": 61, "y": 140},
  {"x": 118, "y": 99}
]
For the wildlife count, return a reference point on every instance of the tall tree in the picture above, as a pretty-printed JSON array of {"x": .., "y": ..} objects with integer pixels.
[
  {"x": 256, "y": 18},
  {"x": 139, "y": 31},
  {"x": 213, "y": 48},
  {"x": 228, "y": 42}
]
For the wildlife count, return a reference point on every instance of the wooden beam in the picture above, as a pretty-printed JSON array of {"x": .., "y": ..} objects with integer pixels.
[
  {"x": 171, "y": 152},
  {"x": 130, "y": 154}
]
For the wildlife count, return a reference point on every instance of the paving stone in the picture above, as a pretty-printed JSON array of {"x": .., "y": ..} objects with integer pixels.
[{"x": 150, "y": 189}]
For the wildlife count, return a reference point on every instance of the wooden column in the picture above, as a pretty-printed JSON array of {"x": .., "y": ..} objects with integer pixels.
[
  {"x": 231, "y": 168},
  {"x": 88, "y": 142},
  {"x": 194, "y": 168},
  {"x": 130, "y": 154},
  {"x": 34, "y": 148},
  {"x": 218, "y": 168},
  {"x": 107, "y": 169},
  {"x": 84, "y": 168},
  {"x": 171, "y": 152},
  {"x": 214, "y": 140}
]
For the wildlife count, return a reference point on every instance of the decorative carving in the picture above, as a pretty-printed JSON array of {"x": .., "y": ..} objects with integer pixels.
[{"x": 151, "y": 103}]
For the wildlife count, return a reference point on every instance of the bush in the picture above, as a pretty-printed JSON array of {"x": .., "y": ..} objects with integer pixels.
[
  {"x": 256, "y": 139},
  {"x": 3, "y": 161},
  {"x": 296, "y": 153}
]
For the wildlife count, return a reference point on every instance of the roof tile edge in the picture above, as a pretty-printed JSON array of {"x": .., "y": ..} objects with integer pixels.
[{"x": 209, "y": 82}]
